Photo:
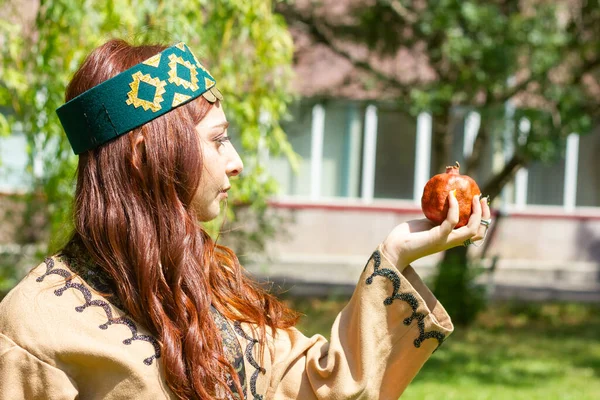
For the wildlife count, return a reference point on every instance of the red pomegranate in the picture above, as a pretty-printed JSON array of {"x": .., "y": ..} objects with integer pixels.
[{"x": 434, "y": 201}]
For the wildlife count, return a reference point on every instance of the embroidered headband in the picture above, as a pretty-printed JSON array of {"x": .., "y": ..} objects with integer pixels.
[{"x": 136, "y": 96}]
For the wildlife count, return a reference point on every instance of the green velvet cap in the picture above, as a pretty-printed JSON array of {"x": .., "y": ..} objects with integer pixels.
[{"x": 135, "y": 96}]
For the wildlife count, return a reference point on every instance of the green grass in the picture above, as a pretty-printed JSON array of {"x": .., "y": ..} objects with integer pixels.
[{"x": 514, "y": 351}]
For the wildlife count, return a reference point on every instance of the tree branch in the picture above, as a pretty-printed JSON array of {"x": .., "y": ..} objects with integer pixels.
[
  {"x": 576, "y": 76},
  {"x": 321, "y": 34},
  {"x": 514, "y": 90},
  {"x": 401, "y": 11},
  {"x": 494, "y": 186},
  {"x": 588, "y": 66},
  {"x": 433, "y": 41}
]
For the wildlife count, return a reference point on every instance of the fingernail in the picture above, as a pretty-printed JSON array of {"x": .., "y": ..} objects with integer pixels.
[{"x": 453, "y": 193}]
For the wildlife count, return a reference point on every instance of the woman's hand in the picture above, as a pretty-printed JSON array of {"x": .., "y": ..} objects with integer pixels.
[{"x": 418, "y": 238}]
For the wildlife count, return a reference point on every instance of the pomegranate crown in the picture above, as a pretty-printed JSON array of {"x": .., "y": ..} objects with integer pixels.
[{"x": 453, "y": 169}]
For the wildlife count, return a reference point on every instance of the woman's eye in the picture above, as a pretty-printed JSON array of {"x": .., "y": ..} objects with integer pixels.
[{"x": 222, "y": 140}]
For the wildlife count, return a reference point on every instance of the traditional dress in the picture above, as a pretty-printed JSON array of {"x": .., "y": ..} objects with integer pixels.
[{"x": 64, "y": 335}]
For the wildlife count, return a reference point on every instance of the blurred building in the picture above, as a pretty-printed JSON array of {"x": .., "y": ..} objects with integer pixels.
[
  {"x": 363, "y": 167},
  {"x": 365, "y": 163}
]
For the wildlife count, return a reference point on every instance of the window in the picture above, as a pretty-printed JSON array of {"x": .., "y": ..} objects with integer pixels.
[
  {"x": 298, "y": 130},
  {"x": 370, "y": 153},
  {"x": 395, "y": 156},
  {"x": 545, "y": 183},
  {"x": 342, "y": 150},
  {"x": 340, "y": 164},
  {"x": 588, "y": 171}
]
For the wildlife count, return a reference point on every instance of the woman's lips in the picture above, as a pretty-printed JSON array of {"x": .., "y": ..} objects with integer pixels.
[{"x": 223, "y": 192}]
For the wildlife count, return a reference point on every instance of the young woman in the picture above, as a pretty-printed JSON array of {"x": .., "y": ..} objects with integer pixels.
[{"x": 142, "y": 304}]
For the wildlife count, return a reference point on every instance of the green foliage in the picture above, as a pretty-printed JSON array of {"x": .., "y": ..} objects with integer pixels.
[
  {"x": 9, "y": 273},
  {"x": 481, "y": 50},
  {"x": 246, "y": 47}
]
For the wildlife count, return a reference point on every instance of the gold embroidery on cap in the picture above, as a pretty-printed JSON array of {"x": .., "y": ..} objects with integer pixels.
[
  {"x": 179, "y": 98},
  {"x": 180, "y": 46},
  {"x": 173, "y": 78},
  {"x": 208, "y": 83},
  {"x": 153, "y": 61},
  {"x": 132, "y": 96}
]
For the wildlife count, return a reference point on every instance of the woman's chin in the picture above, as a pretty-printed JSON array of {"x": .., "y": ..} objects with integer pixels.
[{"x": 211, "y": 213}]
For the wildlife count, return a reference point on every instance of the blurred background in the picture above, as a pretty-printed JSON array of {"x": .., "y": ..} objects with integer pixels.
[{"x": 342, "y": 110}]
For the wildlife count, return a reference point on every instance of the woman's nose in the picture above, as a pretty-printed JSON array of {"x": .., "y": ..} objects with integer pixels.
[{"x": 235, "y": 164}]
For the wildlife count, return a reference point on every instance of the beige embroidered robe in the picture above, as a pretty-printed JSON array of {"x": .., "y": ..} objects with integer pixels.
[{"x": 59, "y": 339}]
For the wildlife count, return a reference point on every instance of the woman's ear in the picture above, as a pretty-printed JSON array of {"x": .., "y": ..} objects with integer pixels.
[
  {"x": 138, "y": 151},
  {"x": 138, "y": 141}
]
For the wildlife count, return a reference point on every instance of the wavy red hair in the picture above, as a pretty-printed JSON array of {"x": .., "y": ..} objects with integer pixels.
[{"x": 133, "y": 215}]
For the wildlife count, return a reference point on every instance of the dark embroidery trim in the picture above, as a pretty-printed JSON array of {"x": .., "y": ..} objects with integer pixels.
[
  {"x": 82, "y": 265},
  {"x": 251, "y": 342},
  {"x": 99, "y": 303},
  {"x": 407, "y": 297},
  {"x": 232, "y": 350}
]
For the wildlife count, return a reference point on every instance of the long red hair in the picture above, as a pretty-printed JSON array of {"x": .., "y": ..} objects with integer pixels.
[{"x": 133, "y": 216}]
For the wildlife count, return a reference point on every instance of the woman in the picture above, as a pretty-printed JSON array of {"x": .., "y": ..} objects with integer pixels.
[{"x": 141, "y": 303}]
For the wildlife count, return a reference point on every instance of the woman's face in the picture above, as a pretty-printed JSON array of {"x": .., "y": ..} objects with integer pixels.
[{"x": 220, "y": 161}]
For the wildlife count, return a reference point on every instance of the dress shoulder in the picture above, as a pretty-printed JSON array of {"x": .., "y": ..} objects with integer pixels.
[
  {"x": 31, "y": 304},
  {"x": 56, "y": 317}
]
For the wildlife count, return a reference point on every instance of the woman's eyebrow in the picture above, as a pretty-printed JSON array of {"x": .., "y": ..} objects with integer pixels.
[{"x": 223, "y": 125}]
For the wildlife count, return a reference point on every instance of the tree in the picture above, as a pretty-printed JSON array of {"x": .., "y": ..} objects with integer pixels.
[
  {"x": 245, "y": 45},
  {"x": 540, "y": 58}
]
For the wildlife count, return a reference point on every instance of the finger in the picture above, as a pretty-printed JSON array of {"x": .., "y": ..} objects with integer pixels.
[
  {"x": 470, "y": 230},
  {"x": 476, "y": 207},
  {"x": 475, "y": 219},
  {"x": 485, "y": 214},
  {"x": 452, "y": 216}
]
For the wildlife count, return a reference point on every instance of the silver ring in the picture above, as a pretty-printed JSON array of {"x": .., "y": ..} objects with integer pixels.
[
  {"x": 486, "y": 222},
  {"x": 467, "y": 242}
]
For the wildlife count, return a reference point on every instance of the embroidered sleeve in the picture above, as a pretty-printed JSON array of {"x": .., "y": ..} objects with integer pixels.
[
  {"x": 378, "y": 343},
  {"x": 24, "y": 376}
]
